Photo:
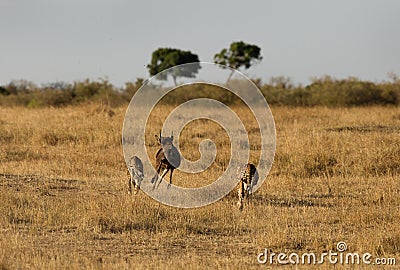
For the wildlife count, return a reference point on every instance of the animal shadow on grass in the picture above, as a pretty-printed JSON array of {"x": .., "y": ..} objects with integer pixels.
[
  {"x": 310, "y": 201},
  {"x": 364, "y": 129}
]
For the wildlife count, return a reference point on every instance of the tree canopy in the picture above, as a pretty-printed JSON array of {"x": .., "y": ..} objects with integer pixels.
[
  {"x": 165, "y": 58},
  {"x": 239, "y": 54}
]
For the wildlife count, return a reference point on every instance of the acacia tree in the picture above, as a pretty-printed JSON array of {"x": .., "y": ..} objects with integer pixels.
[
  {"x": 239, "y": 54},
  {"x": 164, "y": 58}
]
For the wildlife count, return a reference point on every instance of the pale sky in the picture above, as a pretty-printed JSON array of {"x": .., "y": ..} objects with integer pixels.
[{"x": 46, "y": 41}]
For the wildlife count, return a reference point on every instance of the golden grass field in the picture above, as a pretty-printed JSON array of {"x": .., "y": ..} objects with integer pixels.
[{"x": 64, "y": 202}]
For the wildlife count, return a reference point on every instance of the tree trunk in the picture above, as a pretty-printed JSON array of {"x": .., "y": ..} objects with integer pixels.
[
  {"x": 174, "y": 78},
  {"x": 230, "y": 76}
]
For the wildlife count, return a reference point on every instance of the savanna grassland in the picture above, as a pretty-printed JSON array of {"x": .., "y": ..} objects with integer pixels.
[{"x": 64, "y": 202}]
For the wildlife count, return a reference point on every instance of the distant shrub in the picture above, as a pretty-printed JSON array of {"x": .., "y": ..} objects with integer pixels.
[
  {"x": 83, "y": 91},
  {"x": 3, "y": 91},
  {"x": 275, "y": 95},
  {"x": 324, "y": 91},
  {"x": 131, "y": 88},
  {"x": 390, "y": 92},
  {"x": 348, "y": 92}
]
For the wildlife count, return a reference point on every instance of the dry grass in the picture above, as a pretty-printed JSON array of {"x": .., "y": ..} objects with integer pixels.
[{"x": 64, "y": 201}]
